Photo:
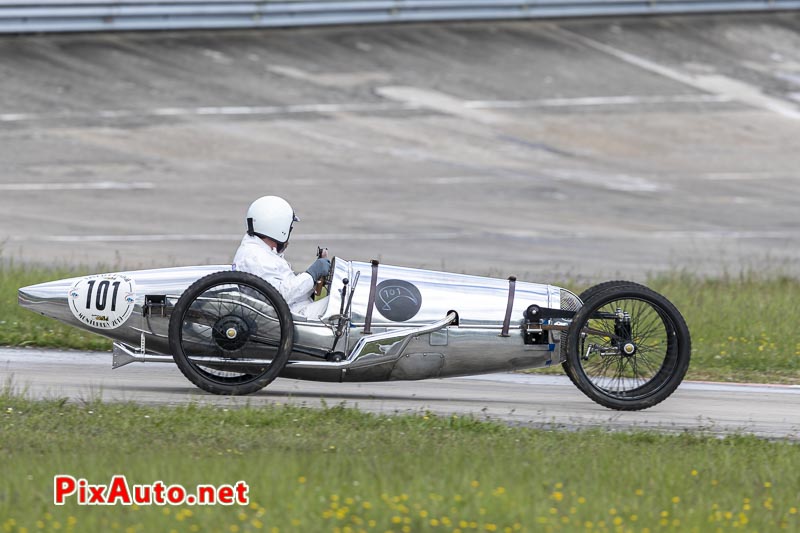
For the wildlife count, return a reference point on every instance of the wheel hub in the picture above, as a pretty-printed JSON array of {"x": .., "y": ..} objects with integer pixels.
[
  {"x": 231, "y": 332},
  {"x": 628, "y": 349}
]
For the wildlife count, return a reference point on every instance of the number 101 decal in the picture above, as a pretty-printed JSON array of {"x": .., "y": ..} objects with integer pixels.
[{"x": 104, "y": 301}]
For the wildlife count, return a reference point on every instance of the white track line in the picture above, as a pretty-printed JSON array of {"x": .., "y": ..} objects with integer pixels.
[
  {"x": 204, "y": 237},
  {"x": 720, "y": 235},
  {"x": 744, "y": 176},
  {"x": 590, "y": 101},
  {"x": 80, "y": 186},
  {"x": 425, "y": 180},
  {"x": 439, "y": 102},
  {"x": 363, "y": 107},
  {"x": 680, "y": 235},
  {"x": 712, "y": 83},
  {"x": 209, "y": 111},
  {"x": 557, "y": 380}
]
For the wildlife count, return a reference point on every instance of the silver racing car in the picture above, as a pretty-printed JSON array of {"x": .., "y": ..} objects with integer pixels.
[{"x": 622, "y": 344}]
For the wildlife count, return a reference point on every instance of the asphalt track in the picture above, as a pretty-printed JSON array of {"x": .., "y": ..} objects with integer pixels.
[
  {"x": 541, "y": 401},
  {"x": 547, "y": 150}
]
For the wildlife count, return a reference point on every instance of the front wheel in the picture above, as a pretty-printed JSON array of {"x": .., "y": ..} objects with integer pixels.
[
  {"x": 231, "y": 333},
  {"x": 628, "y": 347}
]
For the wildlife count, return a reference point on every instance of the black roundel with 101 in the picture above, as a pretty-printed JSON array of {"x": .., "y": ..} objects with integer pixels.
[{"x": 397, "y": 300}]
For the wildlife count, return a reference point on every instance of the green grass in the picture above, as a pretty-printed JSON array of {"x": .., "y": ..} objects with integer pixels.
[
  {"x": 744, "y": 328},
  {"x": 341, "y": 470},
  {"x": 20, "y": 327}
]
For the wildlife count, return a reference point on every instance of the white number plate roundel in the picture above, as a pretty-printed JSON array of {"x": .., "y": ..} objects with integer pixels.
[{"x": 104, "y": 301}]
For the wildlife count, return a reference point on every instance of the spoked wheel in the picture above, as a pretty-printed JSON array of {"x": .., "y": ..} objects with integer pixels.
[
  {"x": 628, "y": 347},
  {"x": 584, "y": 297},
  {"x": 231, "y": 333}
]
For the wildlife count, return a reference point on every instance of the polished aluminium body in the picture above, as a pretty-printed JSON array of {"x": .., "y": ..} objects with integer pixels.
[{"x": 453, "y": 323}]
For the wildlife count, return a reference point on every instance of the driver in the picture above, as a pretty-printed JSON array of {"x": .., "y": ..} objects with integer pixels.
[{"x": 269, "y": 225}]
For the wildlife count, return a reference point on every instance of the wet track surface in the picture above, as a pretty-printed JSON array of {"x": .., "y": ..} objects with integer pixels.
[{"x": 521, "y": 399}]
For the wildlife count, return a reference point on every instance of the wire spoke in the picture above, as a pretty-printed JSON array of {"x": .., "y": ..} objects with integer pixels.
[
  {"x": 205, "y": 319},
  {"x": 628, "y": 375}
]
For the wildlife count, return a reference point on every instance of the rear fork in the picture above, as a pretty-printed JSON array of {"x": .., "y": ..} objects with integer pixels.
[{"x": 622, "y": 341}]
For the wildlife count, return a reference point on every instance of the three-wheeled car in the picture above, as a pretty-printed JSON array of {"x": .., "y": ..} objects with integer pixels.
[{"x": 622, "y": 344}]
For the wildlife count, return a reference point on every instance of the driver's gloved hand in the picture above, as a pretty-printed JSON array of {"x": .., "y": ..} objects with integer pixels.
[{"x": 319, "y": 268}]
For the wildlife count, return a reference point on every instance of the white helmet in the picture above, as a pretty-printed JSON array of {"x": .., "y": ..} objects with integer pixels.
[{"x": 271, "y": 217}]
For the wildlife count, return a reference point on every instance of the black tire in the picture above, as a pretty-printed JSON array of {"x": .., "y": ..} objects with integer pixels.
[
  {"x": 658, "y": 338},
  {"x": 231, "y": 303},
  {"x": 585, "y": 295},
  {"x": 600, "y": 287}
]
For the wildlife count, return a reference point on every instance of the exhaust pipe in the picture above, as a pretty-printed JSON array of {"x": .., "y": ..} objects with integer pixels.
[
  {"x": 123, "y": 355},
  {"x": 389, "y": 344}
]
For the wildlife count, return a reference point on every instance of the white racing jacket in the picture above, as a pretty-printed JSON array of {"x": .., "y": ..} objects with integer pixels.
[{"x": 255, "y": 257}]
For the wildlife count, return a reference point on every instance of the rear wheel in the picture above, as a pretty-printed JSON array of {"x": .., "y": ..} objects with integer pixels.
[
  {"x": 231, "y": 333},
  {"x": 628, "y": 347}
]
